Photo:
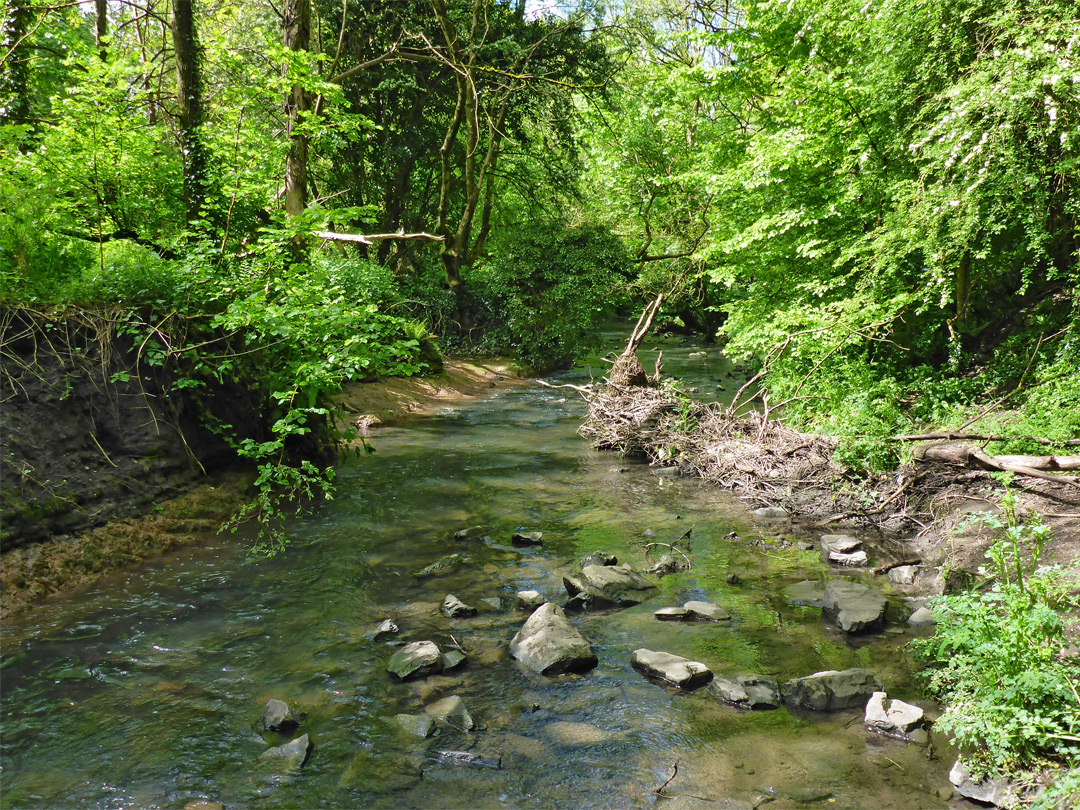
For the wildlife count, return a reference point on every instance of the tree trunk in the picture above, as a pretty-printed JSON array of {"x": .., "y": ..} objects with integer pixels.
[
  {"x": 297, "y": 14},
  {"x": 190, "y": 108},
  {"x": 101, "y": 27},
  {"x": 14, "y": 77}
]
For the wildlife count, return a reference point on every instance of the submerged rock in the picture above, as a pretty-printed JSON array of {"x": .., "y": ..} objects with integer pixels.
[
  {"x": 415, "y": 660},
  {"x": 528, "y": 600},
  {"x": 748, "y": 692},
  {"x": 450, "y": 712},
  {"x": 598, "y": 558},
  {"x": 805, "y": 594},
  {"x": 468, "y": 758},
  {"x": 708, "y": 611},
  {"x": 279, "y": 717},
  {"x": 896, "y": 718},
  {"x": 456, "y": 609},
  {"x": 667, "y": 564},
  {"x": 566, "y": 732},
  {"x": 420, "y": 725},
  {"x": 832, "y": 690},
  {"x": 443, "y": 565},
  {"x": 673, "y": 669},
  {"x": 854, "y": 607},
  {"x": 609, "y": 586},
  {"x": 293, "y": 755},
  {"x": 771, "y": 513},
  {"x": 547, "y": 643},
  {"x": 471, "y": 533},
  {"x": 527, "y": 538}
]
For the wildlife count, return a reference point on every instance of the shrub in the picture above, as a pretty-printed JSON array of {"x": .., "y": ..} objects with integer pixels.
[{"x": 996, "y": 657}]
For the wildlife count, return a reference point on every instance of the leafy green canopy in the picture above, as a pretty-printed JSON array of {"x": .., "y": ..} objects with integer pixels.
[{"x": 888, "y": 187}]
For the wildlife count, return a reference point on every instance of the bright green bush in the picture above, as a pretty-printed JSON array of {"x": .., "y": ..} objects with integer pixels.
[
  {"x": 997, "y": 657},
  {"x": 547, "y": 286}
]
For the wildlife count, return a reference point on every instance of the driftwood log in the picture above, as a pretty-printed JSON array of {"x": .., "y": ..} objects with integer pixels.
[{"x": 960, "y": 455}]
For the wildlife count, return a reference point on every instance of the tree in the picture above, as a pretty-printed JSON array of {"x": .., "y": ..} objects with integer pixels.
[{"x": 189, "y": 94}]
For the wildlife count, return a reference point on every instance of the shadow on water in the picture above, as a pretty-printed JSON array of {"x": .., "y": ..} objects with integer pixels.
[{"x": 146, "y": 691}]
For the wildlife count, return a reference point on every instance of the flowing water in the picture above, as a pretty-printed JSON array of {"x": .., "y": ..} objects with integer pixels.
[{"x": 146, "y": 691}]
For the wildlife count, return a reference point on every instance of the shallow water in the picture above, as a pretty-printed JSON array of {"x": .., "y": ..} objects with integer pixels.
[{"x": 146, "y": 691}]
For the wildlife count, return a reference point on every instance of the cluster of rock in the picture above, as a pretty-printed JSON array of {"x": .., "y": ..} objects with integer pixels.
[
  {"x": 279, "y": 718},
  {"x": 842, "y": 549}
]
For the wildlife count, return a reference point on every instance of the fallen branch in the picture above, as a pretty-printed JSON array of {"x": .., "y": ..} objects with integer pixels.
[
  {"x": 960, "y": 455},
  {"x": 984, "y": 437},
  {"x": 674, "y": 772},
  {"x": 882, "y": 569},
  {"x": 371, "y": 238}
]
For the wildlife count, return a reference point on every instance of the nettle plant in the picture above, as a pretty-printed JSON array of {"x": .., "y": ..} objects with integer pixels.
[{"x": 997, "y": 657}]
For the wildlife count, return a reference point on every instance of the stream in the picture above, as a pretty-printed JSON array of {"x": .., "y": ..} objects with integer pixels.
[{"x": 147, "y": 689}]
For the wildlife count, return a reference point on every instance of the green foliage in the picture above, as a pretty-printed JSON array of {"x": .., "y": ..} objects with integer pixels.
[
  {"x": 997, "y": 656},
  {"x": 547, "y": 286}
]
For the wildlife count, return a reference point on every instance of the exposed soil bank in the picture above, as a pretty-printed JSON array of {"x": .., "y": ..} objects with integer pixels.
[
  {"x": 392, "y": 399},
  {"x": 96, "y": 478}
]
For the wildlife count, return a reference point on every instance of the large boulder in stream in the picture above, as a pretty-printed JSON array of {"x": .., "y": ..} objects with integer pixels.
[
  {"x": 415, "y": 660},
  {"x": 549, "y": 644},
  {"x": 895, "y": 718},
  {"x": 607, "y": 586},
  {"x": 456, "y": 609},
  {"x": 831, "y": 690},
  {"x": 998, "y": 792},
  {"x": 854, "y": 607},
  {"x": 672, "y": 669}
]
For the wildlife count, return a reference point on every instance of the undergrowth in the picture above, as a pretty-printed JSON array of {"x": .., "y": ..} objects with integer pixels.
[{"x": 998, "y": 659}]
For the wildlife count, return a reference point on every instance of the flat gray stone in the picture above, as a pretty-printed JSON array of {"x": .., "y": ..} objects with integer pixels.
[
  {"x": 991, "y": 791},
  {"x": 904, "y": 575},
  {"x": 450, "y": 712},
  {"x": 748, "y": 692},
  {"x": 415, "y": 660},
  {"x": 923, "y": 616},
  {"x": 805, "y": 594},
  {"x": 707, "y": 610},
  {"x": 840, "y": 543},
  {"x": 456, "y": 609},
  {"x": 419, "y": 725},
  {"x": 547, "y": 643},
  {"x": 852, "y": 560},
  {"x": 610, "y": 585},
  {"x": 894, "y": 717},
  {"x": 673, "y": 614},
  {"x": 673, "y": 669},
  {"x": 528, "y": 600},
  {"x": 856, "y": 608},
  {"x": 832, "y": 690}
]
